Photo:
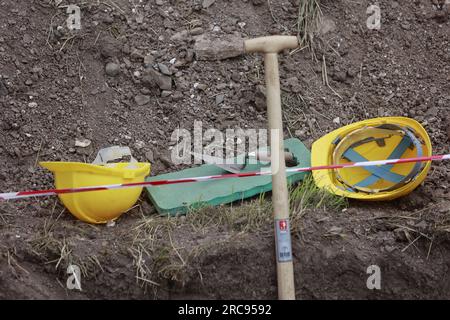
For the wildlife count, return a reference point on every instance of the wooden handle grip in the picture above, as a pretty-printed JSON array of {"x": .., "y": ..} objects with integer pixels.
[{"x": 270, "y": 44}]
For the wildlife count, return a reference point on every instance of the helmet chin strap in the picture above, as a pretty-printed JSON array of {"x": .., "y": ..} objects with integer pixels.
[{"x": 345, "y": 150}]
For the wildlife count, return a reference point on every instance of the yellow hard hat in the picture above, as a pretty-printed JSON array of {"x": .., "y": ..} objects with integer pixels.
[
  {"x": 99, "y": 206},
  {"x": 368, "y": 140}
]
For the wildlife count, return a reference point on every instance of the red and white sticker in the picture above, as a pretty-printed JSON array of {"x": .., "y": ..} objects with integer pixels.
[
  {"x": 283, "y": 240},
  {"x": 283, "y": 225}
]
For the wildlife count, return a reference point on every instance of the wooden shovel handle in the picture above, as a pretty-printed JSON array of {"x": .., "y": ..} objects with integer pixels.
[{"x": 270, "y": 44}]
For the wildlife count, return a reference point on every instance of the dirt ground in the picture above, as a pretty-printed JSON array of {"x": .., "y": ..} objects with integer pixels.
[{"x": 55, "y": 88}]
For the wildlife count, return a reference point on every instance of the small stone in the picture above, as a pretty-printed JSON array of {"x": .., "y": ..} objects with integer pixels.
[
  {"x": 36, "y": 70},
  {"x": 433, "y": 111},
  {"x": 389, "y": 248},
  {"x": 126, "y": 49},
  {"x": 180, "y": 36},
  {"x": 32, "y": 105},
  {"x": 159, "y": 2},
  {"x": 406, "y": 26},
  {"x": 189, "y": 55},
  {"x": 145, "y": 91},
  {"x": 27, "y": 38},
  {"x": 235, "y": 77},
  {"x": 82, "y": 143},
  {"x": 340, "y": 76},
  {"x": 149, "y": 60},
  {"x": 154, "y": 78},
  {"x": 108, "y": 19},
  {"x": 149, "y": 155},
  {"x": 112, "y": 69},
  {"x": 136, "y": 55},
  {"x": 260, "y": 98},
  {"x": 141, "y": 99},
  {"x": 140, "y": 18},
  {"x": 128, "y": 63},
  {"x": 164, "y": 69},
  {"x": 3, "y": 89},
  {"x": 111, "y": 223},
  {"x": 337, "y": 120},
  {"x": 28, "y": 82},
  {"x": 207, "y": 3},
  {"x": 139, "y": 144},
  {"x": 220, "y": 98},
  {"x": 165, "y": 93},
  {"x": 165, "y": 161},
  {"x": 351, "y": 73},
  {"x": 197, "y": 31},
  {"x": 448, "y": 128},
  {"x": 177, "y": 96},
  {"x": 110, "y": 47},
  {"x": 200, "y": 86},
  {"x": 300, "y": 133}
]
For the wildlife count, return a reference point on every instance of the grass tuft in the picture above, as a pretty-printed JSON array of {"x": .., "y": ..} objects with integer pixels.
[{"x": 309, "y": 17}]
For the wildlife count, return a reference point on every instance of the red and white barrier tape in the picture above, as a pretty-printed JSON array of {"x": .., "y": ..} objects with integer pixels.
[{"x": 52, "y": 192}]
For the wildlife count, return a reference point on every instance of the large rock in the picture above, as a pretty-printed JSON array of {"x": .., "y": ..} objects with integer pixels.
[{"x": 209, "y": 47}]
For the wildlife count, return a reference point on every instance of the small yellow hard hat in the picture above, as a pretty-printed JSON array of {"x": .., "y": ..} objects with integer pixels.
[
  {"x": 99, "y": 206},
  {"x": 368, "y": 140}
]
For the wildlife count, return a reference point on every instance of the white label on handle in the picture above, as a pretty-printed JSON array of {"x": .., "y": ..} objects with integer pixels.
[{"x": 283, "y": 240}]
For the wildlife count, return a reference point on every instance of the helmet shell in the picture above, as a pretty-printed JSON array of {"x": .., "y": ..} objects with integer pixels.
[
  {"x": 98, "y": 206},
  {"x": 322, "y": 154}
]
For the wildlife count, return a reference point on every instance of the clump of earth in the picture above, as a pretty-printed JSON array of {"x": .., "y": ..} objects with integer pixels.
[{"x": 135, "y": 72}]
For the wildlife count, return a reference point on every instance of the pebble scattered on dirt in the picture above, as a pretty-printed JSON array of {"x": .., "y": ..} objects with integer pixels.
[
  {"x": 112, "y": 69},
  {"x": 135, "y": 73}
]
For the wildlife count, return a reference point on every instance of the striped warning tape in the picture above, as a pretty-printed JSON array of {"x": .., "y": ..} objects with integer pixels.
[{"x": 52, "y": 192}]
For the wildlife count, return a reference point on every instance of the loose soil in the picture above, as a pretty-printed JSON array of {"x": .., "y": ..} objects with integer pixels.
[{"x": 54, "y": 89}]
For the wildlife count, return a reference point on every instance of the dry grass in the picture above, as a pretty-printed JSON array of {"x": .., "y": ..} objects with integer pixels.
[
  {"x": 160, "y": 251},
  {"x": 59, "y": 251},
  {"x": 161, "y": 248},
  {"x": 249, "y": 216},
  {"x": 309, "y": 17},
  {"x": 308, "y": 196}
]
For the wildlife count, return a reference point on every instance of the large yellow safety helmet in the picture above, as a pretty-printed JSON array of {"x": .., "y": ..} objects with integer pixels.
[
  {"x": 369, "y": 140},
  {"x": 99, "y": 206}
]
